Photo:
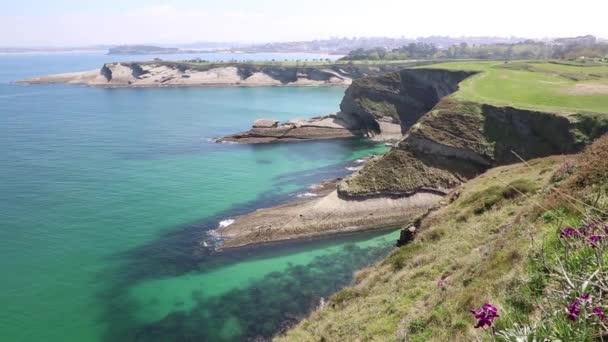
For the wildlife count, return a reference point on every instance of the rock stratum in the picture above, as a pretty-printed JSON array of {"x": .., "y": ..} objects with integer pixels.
[
  {"x": 166, "y": 74},
  {"x": 334, "y": 126}
]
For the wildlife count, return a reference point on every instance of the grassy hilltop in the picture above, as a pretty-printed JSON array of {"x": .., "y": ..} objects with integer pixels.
[{"x": 547, "y": 86}]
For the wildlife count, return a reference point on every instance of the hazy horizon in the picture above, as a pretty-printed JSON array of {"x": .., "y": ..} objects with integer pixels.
[{"x": 66, "y": 23}]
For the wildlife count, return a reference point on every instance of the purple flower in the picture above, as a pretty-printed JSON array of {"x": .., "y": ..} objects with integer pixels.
[
  {"x": 567, "y": 232},
  {"x": 574, "y": 309},
  {"x": 485, "y": 316},
  {"x": 594, "y": 239},
  {"x": 599, "y": 313}
]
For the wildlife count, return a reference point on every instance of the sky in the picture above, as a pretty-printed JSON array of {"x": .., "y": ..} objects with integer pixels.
[{"x": 87, "y": 22}]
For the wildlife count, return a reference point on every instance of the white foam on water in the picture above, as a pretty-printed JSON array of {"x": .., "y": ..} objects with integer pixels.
[
  {"x": 226, "y": 223},
  {"x": 360, "y": 161},
  {"x": 354, "y": 168},
  {"x": 306, "y": 195},
  {"x": 315, "y": 186}
]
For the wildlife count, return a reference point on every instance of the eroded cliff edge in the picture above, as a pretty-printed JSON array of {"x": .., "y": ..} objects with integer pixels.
[
  {"x": 379, "y": 107},
  {"x": 458, "y": 140}
]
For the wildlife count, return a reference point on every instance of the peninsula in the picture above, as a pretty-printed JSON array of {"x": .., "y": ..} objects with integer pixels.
[{"x": 202, "y": 73}]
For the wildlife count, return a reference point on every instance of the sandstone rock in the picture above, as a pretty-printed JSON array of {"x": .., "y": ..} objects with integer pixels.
[
  {"x": 266, "y": 123},
  {"x": 296, "y": 122}
]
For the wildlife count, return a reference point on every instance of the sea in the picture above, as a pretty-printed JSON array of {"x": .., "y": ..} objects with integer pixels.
[{"x": 106, "y": 196}]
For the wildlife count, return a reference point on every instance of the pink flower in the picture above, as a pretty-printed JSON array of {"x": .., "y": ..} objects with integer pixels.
[
  {"x": 599, "y": 313},
  {"x": 485, "y": 316}
]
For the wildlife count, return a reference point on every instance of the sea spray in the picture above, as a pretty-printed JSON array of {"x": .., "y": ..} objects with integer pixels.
[
  {"x": 226, "y": 223},
  {"x": 306, "y": 195}
]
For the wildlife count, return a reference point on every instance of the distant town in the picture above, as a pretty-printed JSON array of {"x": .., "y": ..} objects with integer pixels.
[{"x": 333, "y": 46}]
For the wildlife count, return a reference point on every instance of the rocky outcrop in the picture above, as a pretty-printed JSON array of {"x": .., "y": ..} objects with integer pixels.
[
  {"x": 333, "y": 126},
  {"x": 388, "y": 105},
  {"x": 458, "y": 140},
  {"x": 266, "y": 123},
  {"x": 323, "y": 216},
  {"x": 164, "y": 73},
  {"x": 381, "y": 107}
]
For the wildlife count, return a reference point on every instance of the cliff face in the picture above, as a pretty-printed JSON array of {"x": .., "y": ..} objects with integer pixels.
[
  {"x": 389, "y": 104},
  {"x": 458, "y": 140}
]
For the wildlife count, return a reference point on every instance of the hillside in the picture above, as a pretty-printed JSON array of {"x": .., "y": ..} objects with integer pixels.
[
  {"x": 495, "y": 242},
  {"x": 483, "y": 242}
]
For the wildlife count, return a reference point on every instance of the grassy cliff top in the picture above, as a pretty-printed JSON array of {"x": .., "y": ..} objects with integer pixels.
[{"x": 558, "y": 87}]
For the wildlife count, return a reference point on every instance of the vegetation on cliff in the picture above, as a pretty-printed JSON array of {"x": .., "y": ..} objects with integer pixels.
[
  {"x": 503, "y": 112},
  {"x": 497, "y": 241}
]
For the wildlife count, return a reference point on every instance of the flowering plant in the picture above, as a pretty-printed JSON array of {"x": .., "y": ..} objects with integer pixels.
[{"x": 485, "y": 316}]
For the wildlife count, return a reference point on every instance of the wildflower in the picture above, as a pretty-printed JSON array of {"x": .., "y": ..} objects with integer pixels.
[
  {"x": 593, "y": 240},
  {"x": 485, "y": 315},
  {"x": 567, "y": 232},
  {"x": 574, "y": 309},
  {"x": 599, "y": 313}
]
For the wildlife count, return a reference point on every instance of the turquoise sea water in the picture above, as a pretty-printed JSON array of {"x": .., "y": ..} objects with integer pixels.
[{"x": 106, "y": 193}]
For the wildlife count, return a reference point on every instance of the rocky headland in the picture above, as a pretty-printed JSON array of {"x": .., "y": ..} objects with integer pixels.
[
  {"x": 380, "y": 107},
  {"x": 444, "y": 141}
]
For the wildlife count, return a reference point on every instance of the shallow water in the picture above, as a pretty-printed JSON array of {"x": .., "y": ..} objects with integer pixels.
[{"x": 106, "y": 193}]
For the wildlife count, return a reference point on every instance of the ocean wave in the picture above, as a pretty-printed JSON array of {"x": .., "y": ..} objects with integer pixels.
[
  {"x": 360, "y": 161},
  {"x": 226, "y": 223},
  {"x": 354, "y": 168}
]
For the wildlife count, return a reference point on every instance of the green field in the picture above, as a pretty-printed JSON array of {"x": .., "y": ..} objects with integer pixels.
[{"x": 547, "y": 86}]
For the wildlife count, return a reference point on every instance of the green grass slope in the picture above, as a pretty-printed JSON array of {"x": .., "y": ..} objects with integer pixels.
[
  {"x": 555, "y": 87},
  {"x": 493, "y": 241}
]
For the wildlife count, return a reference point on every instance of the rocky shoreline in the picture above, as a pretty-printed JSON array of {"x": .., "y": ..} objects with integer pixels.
[
  {"x": 323, "y": 216},
  {"x": 333, "y": 126}
]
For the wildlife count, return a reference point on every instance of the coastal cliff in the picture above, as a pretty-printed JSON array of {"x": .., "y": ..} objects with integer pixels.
[
  {"x": 447, "y": 141},
  {"x": 380, "y": 107},
  {"x": 166, "y": 73},
  {"x": 458, "y": 140},
  {"x": 388, "y": 105}
]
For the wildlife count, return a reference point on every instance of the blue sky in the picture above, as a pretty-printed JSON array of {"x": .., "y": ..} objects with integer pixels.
[{"x": 88, "y": 22}]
